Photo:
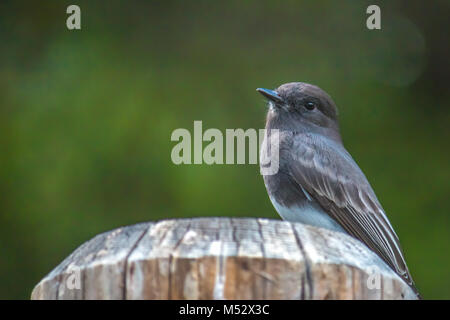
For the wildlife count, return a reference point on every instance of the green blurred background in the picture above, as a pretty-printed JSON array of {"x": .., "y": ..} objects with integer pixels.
[{"x": 86, "y": 116}]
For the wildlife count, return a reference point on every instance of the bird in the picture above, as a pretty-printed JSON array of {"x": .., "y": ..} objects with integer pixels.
[{"x": 318, "y": 182}]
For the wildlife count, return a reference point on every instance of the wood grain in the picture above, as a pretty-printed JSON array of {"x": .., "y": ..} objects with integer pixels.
[{"x": 222, "y": 258}]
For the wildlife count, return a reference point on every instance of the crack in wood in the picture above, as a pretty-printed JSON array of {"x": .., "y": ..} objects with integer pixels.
[
  {"x": 125, "y": 266},
  {"x": 180, "y": 240},
  {"x": 309, "y": 277}
]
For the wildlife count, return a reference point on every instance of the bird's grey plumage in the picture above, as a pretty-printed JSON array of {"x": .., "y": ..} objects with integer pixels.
[{"x": 315, "y": 170}]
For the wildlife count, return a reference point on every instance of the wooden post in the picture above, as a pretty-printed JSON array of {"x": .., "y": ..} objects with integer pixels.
[{"x": 222, "y": 258}]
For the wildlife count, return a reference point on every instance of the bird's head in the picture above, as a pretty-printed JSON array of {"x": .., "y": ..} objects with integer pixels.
[{"x": 298, "y": 105}]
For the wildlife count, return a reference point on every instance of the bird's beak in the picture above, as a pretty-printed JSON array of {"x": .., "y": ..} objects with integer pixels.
[{"x": 271, "y": 95}]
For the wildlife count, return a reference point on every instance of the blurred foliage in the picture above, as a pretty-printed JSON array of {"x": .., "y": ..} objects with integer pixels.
[{"x": 86, "y": 116}]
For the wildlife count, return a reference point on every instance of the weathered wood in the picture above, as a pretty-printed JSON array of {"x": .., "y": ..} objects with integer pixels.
[{"x": 222, "y": 258}]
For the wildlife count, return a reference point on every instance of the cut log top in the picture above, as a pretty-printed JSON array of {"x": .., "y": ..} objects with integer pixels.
[{"x": 222, "y": 258}]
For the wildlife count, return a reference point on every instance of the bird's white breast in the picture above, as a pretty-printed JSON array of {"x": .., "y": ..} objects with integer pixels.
[{"x": 309, "y": 213}]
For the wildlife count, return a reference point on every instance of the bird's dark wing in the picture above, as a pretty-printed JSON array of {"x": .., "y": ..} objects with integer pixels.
[{"x": 333, "y": 179}]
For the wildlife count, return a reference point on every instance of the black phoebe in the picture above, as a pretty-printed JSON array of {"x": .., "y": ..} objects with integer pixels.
[{"x": 318, "y": 182}]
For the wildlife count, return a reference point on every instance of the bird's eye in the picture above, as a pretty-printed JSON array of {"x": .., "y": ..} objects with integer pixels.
[{"x": 310, "y": 105}]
